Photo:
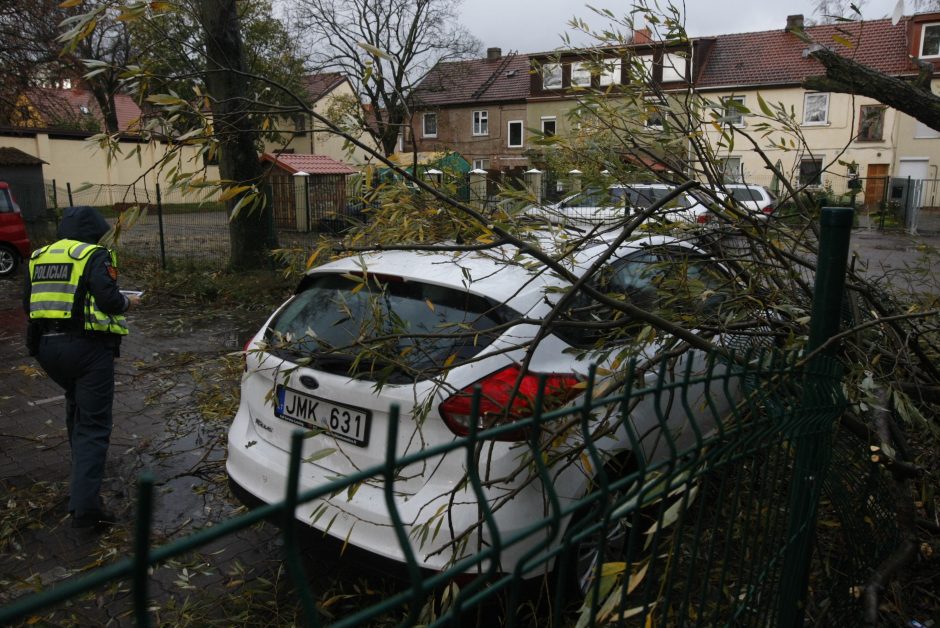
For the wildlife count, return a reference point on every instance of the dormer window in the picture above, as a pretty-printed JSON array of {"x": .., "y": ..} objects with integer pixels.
[
  {"x": 610, "y": 75},
  {"x": 930, "y": 40},
  {"x": 85, "y": 110},
  {"x": 551, "y": 76},
  {"x": 580, "y": 74}
]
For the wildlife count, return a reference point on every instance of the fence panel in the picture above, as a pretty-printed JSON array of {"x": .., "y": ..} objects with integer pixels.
[{"x": 695, "y": 538}]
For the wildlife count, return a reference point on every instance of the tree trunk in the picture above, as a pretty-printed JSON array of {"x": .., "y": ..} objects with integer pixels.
[
  {"x": 850, "y": 77},
  {"x": 251, "y": 231}
]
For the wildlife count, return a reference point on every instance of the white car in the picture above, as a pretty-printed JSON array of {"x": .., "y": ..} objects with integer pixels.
[
  {"x": 757, "y": 199},
  {"x": 601, "y": 207},
  {"x": 469, "y": 319}
]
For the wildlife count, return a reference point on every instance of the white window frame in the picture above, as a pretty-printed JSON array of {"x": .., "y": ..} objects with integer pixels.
[
  {"x": 675, "y": 68},
  {"x": 552, "y": 76},
  {"x": 806, "y": 108},
  {"x": 923, "y": 33},
  {"x": 654, "y": 103},
  {"x": 726, "y": 114},
  {"x": 553, "y": 120},
  {"x": 481, "y": 163},
  {"x": 580, "y": 74},
  {"x": 799, "y": 172},
  {"x": 736, "y": 173},
  {"x": 610, "y": 75},
  {"x": 424, "y": 124},
  {"x": 481, "y": 122},
  {"x": 509, "y": 134}
]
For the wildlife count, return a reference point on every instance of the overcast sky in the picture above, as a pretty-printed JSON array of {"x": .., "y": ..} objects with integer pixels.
[{"x": 535, "y": 25}]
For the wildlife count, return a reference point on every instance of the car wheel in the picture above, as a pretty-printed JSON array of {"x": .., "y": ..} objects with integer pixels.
[
  {"x": 583, "y": 552},
  {"x": 9, "y": 260}
]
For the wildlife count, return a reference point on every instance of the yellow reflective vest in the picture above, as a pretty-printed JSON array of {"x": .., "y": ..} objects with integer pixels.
[{"x": 55, "y": 272}]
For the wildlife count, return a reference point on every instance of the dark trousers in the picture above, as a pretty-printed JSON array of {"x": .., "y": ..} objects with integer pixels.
[{"x": 84, "y": 367}]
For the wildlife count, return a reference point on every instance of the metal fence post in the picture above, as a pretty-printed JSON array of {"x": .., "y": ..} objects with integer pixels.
[
  {"x": 812, "y": 451},
  {"x": 68, "y": 188},
  {"x": 160, "y": 225},
  {"x": 142, "y": 549}
]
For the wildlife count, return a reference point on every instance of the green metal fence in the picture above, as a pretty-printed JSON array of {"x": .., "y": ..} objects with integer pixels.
[
  {"x": 716, "y": 525},
  {"x": 698, "y": 537}
]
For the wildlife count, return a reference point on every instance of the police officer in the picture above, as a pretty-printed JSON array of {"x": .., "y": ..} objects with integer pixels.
[{"x": 76, "y": 324}]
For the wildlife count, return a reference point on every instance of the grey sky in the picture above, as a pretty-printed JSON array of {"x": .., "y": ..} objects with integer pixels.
[{"x": 535, "y": 25}]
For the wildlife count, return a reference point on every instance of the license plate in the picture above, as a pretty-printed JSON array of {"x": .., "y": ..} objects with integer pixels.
[{"x": 346, "y": 423}]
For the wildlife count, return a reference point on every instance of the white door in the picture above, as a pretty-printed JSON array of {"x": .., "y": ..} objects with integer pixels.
[{"x": 916, "y": 170}]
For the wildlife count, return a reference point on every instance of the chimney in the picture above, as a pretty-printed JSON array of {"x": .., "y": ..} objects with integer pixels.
[
  {"x": 794, "y": 23},
  {"x": 492, "y": 54},
  {"x": 643, "y": 36}
]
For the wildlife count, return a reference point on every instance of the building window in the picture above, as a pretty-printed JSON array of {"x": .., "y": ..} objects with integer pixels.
[
  {"x": 733, "y": 170},
  {"x": 429, "y": 125},
  {"x": 654, "y": 115},
  {"x": 580, "y": 74},
  {"x": 515, "y": 133},
  {"x": 810, "y": 171},
  {"x": 646, "y": 68},
  {"x": 551, "y": 76},
  {"x": 610, "y": 75},
  {"x": 733, "y": 109},
  {"x": 930, "y": 40},
  {"x": 871, "y": 123},
  {"x": 674, "y": 68},
  {"x": 816, "y": 109},
  {"x": 481, "y": 164},
  {"x": 548, "y": 126},
  {"x": 481, "y": 123}
]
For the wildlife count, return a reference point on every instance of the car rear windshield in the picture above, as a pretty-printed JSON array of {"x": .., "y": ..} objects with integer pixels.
[
  {"x": 746, "y": 194},
  {"x": 383, "y": 328}
]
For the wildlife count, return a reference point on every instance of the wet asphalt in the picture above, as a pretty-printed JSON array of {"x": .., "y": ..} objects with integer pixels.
[{"x": 167, "y": 362}]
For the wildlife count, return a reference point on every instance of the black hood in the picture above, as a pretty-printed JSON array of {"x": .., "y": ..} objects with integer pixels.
[{"x": 83, "y": 223}]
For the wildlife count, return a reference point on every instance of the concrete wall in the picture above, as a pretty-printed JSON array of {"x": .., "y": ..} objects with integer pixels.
[{"x": 75, "y": 160}]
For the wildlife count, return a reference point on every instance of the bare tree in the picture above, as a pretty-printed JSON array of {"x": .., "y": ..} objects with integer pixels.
[{"x": 385, "y": 47}]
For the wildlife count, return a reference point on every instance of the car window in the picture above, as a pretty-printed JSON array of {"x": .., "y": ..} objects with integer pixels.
[
  {"x": 413, "y": 328},
  {"x": 746, "y": 194},
  {"x": 6, "y": 203},
  {"x": 670, "y": 282},
  {"x": 644, "y": 197},
  {"x": 593, "y": 197}
]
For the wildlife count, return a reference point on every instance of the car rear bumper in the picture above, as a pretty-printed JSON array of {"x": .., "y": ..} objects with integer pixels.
[{"x": 257, "y": 471}]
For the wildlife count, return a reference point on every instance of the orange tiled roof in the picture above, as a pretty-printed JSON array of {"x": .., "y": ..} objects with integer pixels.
[
  {"x": 311, "y": 164},
  {"x": 319, "y": 85},
  {"x": 476, "y": 80},
  {"x": 776, "y": 57},
  {"x": 54, "y": 104}
]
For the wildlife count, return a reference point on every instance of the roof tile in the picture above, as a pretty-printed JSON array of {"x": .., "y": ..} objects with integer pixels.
[
  {"x": 776, "y": 57},
  {"x": 311, "y": 164}
]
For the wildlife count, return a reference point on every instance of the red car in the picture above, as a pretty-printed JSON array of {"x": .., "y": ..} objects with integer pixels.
[{"x": 14, "y": 243}]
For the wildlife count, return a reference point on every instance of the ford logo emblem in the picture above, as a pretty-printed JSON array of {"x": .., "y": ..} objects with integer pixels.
[{"x": 309, "y": 382}]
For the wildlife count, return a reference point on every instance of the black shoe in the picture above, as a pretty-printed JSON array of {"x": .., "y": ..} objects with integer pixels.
[{"x": 93, "y": 519}]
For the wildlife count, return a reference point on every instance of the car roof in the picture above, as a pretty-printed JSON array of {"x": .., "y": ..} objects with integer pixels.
[{"x": 501, "y": 274}]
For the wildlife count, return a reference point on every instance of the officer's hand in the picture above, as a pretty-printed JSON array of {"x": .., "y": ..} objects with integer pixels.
[{"x": 134, "y": 300}]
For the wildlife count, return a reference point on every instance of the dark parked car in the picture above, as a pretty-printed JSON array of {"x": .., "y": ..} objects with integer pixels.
[{"x": 14, "y": 243}]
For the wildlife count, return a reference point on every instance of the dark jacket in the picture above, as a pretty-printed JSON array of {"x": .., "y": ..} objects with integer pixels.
[{"x": 86, "y": 224}]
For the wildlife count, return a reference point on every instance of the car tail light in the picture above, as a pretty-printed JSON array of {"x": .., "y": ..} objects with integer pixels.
[
  {"x": 703, "y": 218},
  {"x": 245, "y": 355},
  {"x": 498, "y": 405},
  {"x": 769, "y": 209}
]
